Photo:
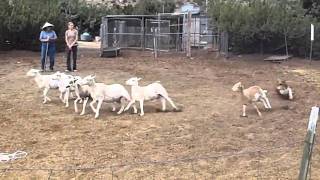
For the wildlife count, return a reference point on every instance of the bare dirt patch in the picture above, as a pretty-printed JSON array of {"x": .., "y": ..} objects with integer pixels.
[{"x": 208, "y": 140}]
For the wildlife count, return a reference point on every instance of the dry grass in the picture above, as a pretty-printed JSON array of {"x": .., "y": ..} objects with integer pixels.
[{"x": 208, "y": 129}]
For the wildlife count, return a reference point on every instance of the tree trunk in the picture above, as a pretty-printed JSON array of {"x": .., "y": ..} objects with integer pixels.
[
  {"x": 261, "y": 46},
  {"x": 286, "y": 43}
]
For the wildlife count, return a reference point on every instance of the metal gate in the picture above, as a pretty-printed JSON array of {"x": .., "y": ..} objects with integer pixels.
[
  {"x": 157, "y": 34},
  {"x": 124, "y": 33}
]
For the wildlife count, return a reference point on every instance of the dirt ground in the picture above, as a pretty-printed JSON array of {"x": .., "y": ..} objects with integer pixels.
[{"x": 207, "y": 140}]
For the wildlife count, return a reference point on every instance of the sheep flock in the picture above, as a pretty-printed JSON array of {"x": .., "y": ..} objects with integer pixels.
[{"x": 87, "y": 89}]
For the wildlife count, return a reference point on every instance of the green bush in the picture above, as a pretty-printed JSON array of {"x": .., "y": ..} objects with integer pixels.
[
  {"x": 21, "y": 20},
  {"x": 263, "y": 25}
]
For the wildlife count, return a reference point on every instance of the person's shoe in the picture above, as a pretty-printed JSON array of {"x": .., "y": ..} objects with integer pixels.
[
  {"x": 51, "y": 69},
  {"x": 75, "y": 70},
  {"x": 67, "y": 70}
]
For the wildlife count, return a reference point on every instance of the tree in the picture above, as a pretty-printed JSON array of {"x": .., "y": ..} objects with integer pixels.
[
  {"x": 150, "y": 7},
  {"x": 21, "y": 20},
  {"x": 312, "y": 7},
  {"x": 271, "y": 24}
]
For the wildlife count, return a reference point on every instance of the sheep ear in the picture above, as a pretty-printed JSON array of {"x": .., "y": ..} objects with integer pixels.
[{"x": 139, "y": 79}]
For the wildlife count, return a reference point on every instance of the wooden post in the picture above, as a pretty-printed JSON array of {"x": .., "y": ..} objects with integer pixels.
[
  {"x": 309, "y": 142},
  {"x": 189, "y": 35}
]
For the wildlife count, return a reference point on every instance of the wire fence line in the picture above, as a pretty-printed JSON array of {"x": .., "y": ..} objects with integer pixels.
[
  {"x": 188, "y": 159},
  {"x": 162, "y": 33}
]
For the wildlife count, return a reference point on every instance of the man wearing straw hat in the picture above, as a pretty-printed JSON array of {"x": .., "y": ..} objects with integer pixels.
[{"x": 48, "y": 48}]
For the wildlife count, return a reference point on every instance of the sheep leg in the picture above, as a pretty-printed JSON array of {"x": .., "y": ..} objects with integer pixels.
[
  {"x": 61, "y": 97},
  {"x": 98, "y": 108},
  {"x": 163, "y": 102},
  {"x": 256, "y": 107},
  {"x": 170, "y": 101},
  {"x": 66, "y": 98},
  {"x": 135, "y": 111},
  {"x": 113, "y": 108},
  {"x": 84, "y": 105},
  {"x": 290, "y": 93},
  {"x": 122, "y": 101},
  {"x": 75, "y": 104},
  {"x": 128, "y": 106},
  {"x": 45, "y": 97},
  {"x": 244, "y": 106},
  {"x": 266, "y": 102},
  {"x": 141, "y": 108},
  {"x": 91, "y": 105}
]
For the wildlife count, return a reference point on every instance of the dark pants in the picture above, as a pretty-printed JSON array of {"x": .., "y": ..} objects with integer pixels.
[
  {"x": 47, "y": 49},
  {"x": 74, "y": 50}
]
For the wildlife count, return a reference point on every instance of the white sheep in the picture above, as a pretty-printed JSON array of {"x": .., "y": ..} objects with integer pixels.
[
  {"x": 252, "y": 95},
  {"x": 114, "y": 93},
  {"x": 150, "y": 92},
  {"x": 284, "y": 89},
  {"x": 64, "y": 87},
  {"x": 45, "y": 82},
  {"x": 82, "y": 93}
]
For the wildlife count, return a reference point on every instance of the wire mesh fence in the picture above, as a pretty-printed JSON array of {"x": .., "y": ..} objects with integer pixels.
[{"x": 161, "y": 33}]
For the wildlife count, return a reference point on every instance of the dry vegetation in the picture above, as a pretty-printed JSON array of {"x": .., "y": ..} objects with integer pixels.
[{"x": 208, "y": 140}]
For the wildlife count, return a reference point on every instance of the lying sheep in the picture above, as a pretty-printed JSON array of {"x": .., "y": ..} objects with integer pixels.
[
  {"x": 252, "y": 95},
  {"x": 284, "y": 90},
  {"x": 150, "y": 92},
  {"x": 45, "y": 82},
  {"x": 114, "y": 93}
]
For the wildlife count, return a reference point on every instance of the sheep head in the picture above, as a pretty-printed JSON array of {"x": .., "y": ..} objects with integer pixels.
[
  {"x": 237, "y": 87},
  {"x": 281, "y": 82},
  {"x": 88, "y": 80},
  {"x": 74, "y": 80},
  {"x": 33, "y": 72},
  {"x": 133, "y": 81}
]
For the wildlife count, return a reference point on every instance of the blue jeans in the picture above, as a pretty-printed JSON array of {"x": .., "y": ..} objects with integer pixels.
[{"x": 50, "y": 49}]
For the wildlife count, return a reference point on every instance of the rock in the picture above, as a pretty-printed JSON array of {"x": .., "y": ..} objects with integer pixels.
[{"x": 250, "y": 136}]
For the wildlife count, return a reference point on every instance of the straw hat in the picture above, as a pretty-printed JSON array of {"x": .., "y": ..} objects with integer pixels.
[{"x": 47, "y": 25}]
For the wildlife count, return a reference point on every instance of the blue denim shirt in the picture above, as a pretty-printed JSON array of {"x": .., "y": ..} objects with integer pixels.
[{"x": 45, "y": 34}]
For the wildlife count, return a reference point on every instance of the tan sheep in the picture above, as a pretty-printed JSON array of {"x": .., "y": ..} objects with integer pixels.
[{"x": 252, "y": 95}]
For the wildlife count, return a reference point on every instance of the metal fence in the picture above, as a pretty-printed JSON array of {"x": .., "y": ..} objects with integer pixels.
[{"x": 162, "y": 32}]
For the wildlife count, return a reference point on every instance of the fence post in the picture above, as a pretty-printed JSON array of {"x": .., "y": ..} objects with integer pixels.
[
  {"x": 155, "y": 53},
  {"x": 309, "y": 142},
  {"x": 143, "y": 40},
  {"x": 189, "y": 35}
]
